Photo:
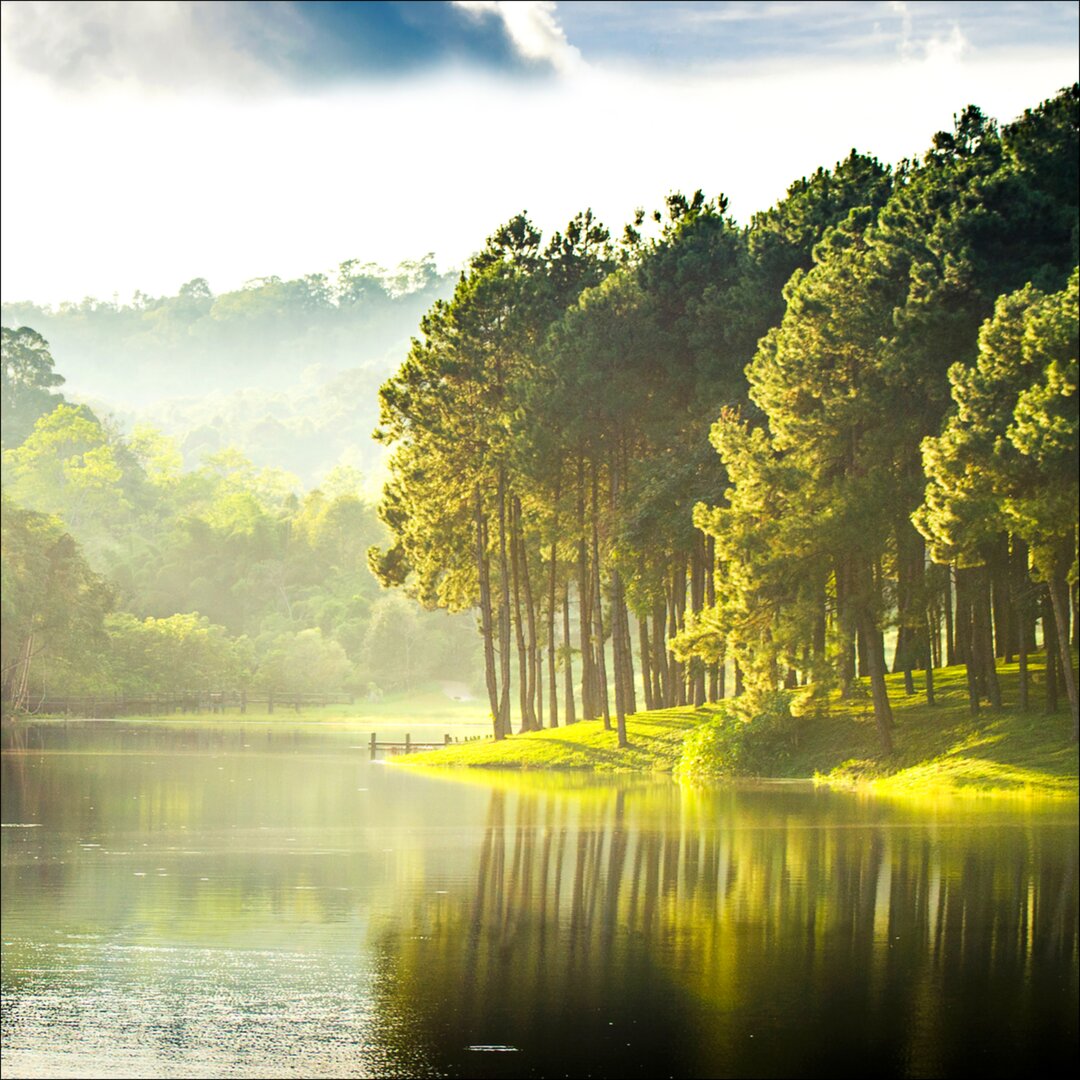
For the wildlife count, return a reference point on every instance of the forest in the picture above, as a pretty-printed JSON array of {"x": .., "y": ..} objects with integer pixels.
[
  {"x": 691, "y": 460},
  {"x": 758, "y": 449}
]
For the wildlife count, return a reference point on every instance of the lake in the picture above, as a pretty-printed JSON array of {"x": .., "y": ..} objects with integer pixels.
[{"x": 212, "y": 900}]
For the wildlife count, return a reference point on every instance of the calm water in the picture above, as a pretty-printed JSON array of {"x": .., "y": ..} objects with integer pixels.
[{"x": 230, "y": 902}]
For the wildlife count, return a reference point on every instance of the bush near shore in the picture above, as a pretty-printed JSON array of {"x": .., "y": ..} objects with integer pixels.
[{"x": 940, "y": 747}]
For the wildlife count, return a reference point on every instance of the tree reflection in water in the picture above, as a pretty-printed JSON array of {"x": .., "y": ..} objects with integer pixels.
[{"x": 642, "y": 930}]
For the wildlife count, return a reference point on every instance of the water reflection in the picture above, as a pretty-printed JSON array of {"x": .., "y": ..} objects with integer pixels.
[
  {"x": 207, "y": 902},
  {"x": 752, "y": 933}
]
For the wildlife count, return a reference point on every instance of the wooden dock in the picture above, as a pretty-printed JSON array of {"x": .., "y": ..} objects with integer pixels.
[{"x": 409, "y": 746}]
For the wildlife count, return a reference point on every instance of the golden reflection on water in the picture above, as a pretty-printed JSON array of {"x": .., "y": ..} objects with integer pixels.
[
  {"x": 841, "y": 929},
  {"x": 202, "y": 902}
]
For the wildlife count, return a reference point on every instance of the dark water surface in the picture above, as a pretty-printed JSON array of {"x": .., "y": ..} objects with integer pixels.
[{"x": 222, "y": 901}]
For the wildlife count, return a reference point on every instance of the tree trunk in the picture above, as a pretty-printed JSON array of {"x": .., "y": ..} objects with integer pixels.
[
  {"x": 845, "y": 628},
  {"x": 947, "y": 606},
  {"x": 1019, "y": 585},
  {"x": 598, "y": 612},
  {"x": 646, "y": 667},
  {"x": 618, "y": 644},
  {"x": 1059, "y": 600},
  {"x": 552, "y": 680},
  {"x": 676, "y": 623},
  {"x": 984, "y": 634},
  {"x": 568, "y": 659},
  {"x": 504, "y": 610},
  {"x": 588, "y": 700},
  {"x": 929, "y": 660},
  {"x": 535, "y": 694},
  {"x": 963, "y": 638},
  {"x": 525, "y": 721},
  {"x": 661, "y": 693},
  {"x": 1050, "y": 648},
  {"x": 1001, "y": 601},
  {"x": 875, "y": 661},
  {"x": 697, "y": 600},
  {"x": 490, "y": 676}
]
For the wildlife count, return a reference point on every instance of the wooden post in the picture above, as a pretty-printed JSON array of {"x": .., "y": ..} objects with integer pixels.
[
  {"x": 408, "y": 743},
  {"x": 373, "y": 746}
]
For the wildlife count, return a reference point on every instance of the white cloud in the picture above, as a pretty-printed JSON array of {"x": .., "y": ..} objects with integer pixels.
[
  {"x": 117, "y": 192},
  {"x": 166, "y": 44},
  {"x": 533, "y": 28}
]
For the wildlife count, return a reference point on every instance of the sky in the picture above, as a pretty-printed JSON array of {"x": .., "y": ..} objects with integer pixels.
[{"x": 148, "y": 144}]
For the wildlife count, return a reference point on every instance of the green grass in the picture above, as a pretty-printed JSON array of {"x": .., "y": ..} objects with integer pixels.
[
  {"x": 655, "y": 739},
  {"x": 939, "y": 749},
  {"x": 945, "y": 748}
]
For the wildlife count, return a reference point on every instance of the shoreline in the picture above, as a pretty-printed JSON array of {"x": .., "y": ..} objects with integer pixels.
[{"x": 940, "y": 750}]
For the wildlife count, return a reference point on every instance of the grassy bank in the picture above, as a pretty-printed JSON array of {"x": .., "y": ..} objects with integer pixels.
[
  {"x": 939, "y": 748},
  {"x": 656, "y": 742}
]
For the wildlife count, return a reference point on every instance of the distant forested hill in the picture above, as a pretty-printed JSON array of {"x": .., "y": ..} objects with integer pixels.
[{"x": 288, "y": 371}]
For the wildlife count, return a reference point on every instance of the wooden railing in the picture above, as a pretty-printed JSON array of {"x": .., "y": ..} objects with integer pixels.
[{"x": 104, "y": 706}]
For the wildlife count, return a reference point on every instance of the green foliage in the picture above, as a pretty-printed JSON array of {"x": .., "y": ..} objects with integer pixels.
[
  {"x": 754, "y": 736},
  {"x": 52, "y": 603},
  {"x": 28, "y": 378},
  {"x": 180, "y": 654},
  {"x": 1006, "y": 459}
]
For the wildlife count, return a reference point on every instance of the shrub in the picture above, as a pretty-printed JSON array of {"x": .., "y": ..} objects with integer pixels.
[{"x": 753, "y": 736}]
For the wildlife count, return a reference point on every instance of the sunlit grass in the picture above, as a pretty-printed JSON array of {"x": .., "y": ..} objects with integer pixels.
[
  {"x": 655, "y": 739},
  {"x": 941, "y": 748}
]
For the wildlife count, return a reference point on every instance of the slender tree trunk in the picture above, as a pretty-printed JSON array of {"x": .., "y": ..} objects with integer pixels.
[
  {"x": 1059, "y": 600},
  {"x": 490, "y": 676},
  {"x": 984, "y": 630},
  {"x": 646, "y": 667},
  {"x": 568, "y": 659},
  {"x": 535, "y": 695},
  {"x": 598, "y": 612},
  {"x": 875, "y": 661},
  {"x": 963, "y": 637},
  {"x": 628, "y": 653},
  {"x": 504, "y": 609},
  {"x": 552, "y": 680},
  {"x": 678, "y": 607},
  {"x": 1050, "y": 648},
  {"x": 589, "y": 706},
  {"x": 934, "y": 628},
  {"x": 929, "y": 660},
  {"x": 1018, "y": 580},
  {"x": 697, "y": 600},
  {"x": 1001, "y": 601},
  {"x": 20, "y": 697},
  {"x": 845, "y": 626},
  {"x": 619, "y": 657},
  {"x": 661, "y": 693},
  {"x": 618, "y": 613},
  {"x": 947, "y": 606},
  {"x": 524, "y": 710},
  {"x": 710, "y": 603}
]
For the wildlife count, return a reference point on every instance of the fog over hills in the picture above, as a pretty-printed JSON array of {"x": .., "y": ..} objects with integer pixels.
[{"x": 286, "y": 371}]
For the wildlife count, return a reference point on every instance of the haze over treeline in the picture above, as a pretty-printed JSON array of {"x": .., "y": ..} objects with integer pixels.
[{"x": 286, "y": 370}]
